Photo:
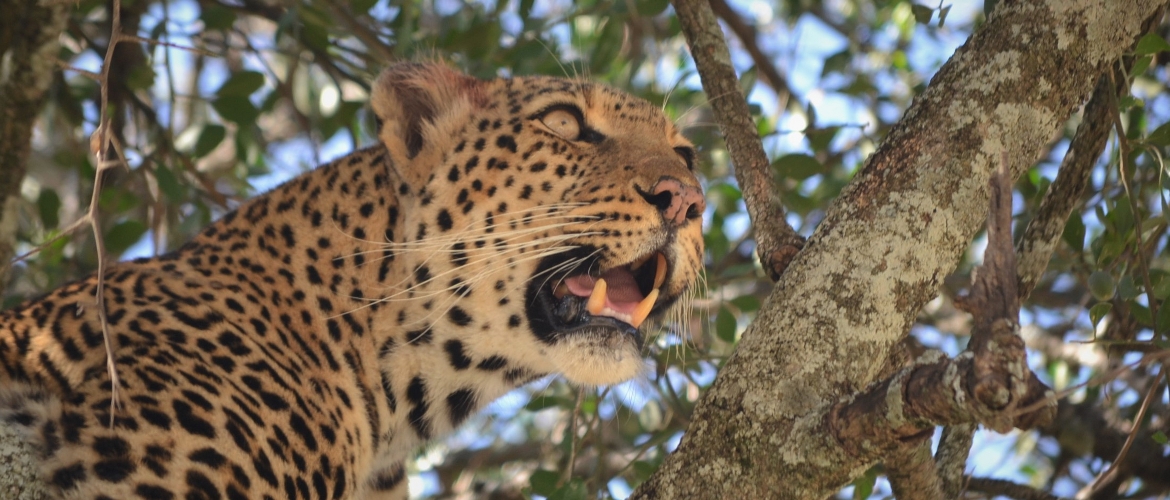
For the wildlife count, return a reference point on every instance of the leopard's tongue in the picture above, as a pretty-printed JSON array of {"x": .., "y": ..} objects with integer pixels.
[{"x": 614, "y": 294}]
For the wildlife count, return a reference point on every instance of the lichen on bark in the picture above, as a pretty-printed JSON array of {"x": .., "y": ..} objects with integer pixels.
[{"x": 883, "y": 249}]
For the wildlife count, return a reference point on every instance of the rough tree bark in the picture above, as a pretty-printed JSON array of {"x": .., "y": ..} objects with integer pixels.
[
  {"x": 28, "y": 53},
  {"x": 881, "y": 253}
]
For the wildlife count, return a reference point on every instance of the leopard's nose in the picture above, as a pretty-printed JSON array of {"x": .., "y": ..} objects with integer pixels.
[{"x": 678, "y": 202}]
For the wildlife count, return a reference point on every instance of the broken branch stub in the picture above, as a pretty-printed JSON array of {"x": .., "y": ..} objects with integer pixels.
[{"x": 986, "y": 384}]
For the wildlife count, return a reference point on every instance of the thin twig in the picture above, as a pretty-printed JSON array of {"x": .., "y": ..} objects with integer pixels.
[
  {"x": 1000, "y": 487},
  {"x": 101, "y": 150},
  {"x": 1107, "y": 477},
  {"x": 1123, "y": 154},
  {"x": 749, "y": 38},
  {"x": 567, "y": 474}
]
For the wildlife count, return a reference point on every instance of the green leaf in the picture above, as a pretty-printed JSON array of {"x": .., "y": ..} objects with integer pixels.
[
  {"x": 1129, "y": 102},
  {"x": 538, "y": 403},
  {"x": 1101, "y": 285},
  {"x": 798, "y": 166},
  {"x": 1098, "y": 312},
  {"x": 217, "y": 17},
  {"x": 1160, "y": 280},
  {"x": 544, "y": 482},
  {"x": 1152, "y": 43},
  {"x": 140, "y": 77},
  {"x": 837, "y": 63},
  {"x": 362, "y": 5},
  {"x": 1163, "y": 317},
  {"x": 236, "y": 109},
  {"x": 1110, "y": 248},
  {"x": 209, "y": 138},
  {"x": 820, "y": 138},
  {"x": 575, "y": 490},
  {"x": 747, "y": 81},
  {"x": 49, "y": 206},
  {"x": 168, "y": 183},
  {"x": 1126, "y": 289},
  {"x": 1122, "y": 216},
  {"x": 1141, "y": 64},
  {"x": 1074, "y": 232},
  {"x": 942, "y": 15},
  {"x": 242, "y": 83},
  {"x": 1140, "y": 313},
  {"x": 643, "y": 469},
  {"x": 725, "y": 325},
  {"x": 746, "y": 303},
  {"x": 123, "y": 235},
  {"x": 608, "y": 45},
  {"x": 922, "y": 13},
  {"x": 1160, "y": 136},
  {"x": 651, "y": 7},
  {"x": 863, "y": 486},
  {"x": 1160, "y": 437}
]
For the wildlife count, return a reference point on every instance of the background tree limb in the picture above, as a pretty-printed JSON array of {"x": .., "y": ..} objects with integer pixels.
[{"x": 28, "y": 46}]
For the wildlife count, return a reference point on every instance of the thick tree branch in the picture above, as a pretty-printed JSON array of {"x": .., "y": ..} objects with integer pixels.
[
  {"x": 882, "y": 251},
  {"x": 777, "y": 243}
]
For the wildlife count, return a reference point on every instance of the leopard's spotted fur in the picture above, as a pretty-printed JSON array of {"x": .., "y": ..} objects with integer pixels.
[{"x": 303, "y": 345}]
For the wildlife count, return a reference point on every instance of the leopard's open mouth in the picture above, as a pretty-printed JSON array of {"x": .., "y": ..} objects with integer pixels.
[{"x": 585, "y": 297}]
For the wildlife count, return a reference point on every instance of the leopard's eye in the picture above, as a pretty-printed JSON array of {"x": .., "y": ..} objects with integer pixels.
[
  {"x": 567, "y": 121},
  {"x": 563, "y": 123},
  {"x": 688, "y": 155}
]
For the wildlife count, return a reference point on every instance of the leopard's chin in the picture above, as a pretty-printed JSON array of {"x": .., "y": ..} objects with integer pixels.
[{"x": 598, "y": 355}]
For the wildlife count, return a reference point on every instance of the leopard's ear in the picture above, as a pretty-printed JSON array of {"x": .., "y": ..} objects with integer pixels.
[{"x": 419, "y": 108}]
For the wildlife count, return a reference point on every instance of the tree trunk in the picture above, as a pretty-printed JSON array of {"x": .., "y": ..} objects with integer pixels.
[
  {"x": 28, "y": 50},
  {"x": 881, "y": 253}
]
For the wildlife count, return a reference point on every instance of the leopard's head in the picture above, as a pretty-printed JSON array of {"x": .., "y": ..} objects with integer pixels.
[{"x": 549, "y": 219}]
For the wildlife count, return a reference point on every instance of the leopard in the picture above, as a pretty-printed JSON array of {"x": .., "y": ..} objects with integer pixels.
[{"x": 304, "y": 345}]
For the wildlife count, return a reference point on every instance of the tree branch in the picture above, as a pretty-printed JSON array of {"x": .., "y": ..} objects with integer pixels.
[
  {"x": 951, "y": 458},
  {"x": 29, "y": 33},
  {"x": 883, "y": 249},
  {"x": 1000, "y": 487},
  {"x": 1065, "y": 193},
  {"x": 750, "y": 39},
  {"x": 777, "y": 243},
  {"x": 910, "y": 469}
]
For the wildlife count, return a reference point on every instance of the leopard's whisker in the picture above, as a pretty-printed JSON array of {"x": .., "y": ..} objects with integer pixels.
[
  {"x": 552, "y": 210},
  {"x": 450, "y": 301},
  {"x": 505, "y": 248}
]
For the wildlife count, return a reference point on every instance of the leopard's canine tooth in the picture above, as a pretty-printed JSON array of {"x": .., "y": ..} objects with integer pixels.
[
  {"x": 660, "y": 271},
  {"x": 643, "y": 310},
  {"x": 596, "y": 298}
]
